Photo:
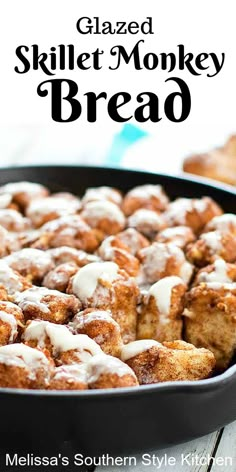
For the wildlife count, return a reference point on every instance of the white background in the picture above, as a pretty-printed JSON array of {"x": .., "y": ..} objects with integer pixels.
[{"x": 26, "y": 129}]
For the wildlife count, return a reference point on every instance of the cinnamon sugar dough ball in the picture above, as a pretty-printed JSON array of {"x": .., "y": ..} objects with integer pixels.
[
  {"x": 70, "y": 230},
  {"x": 211, "y": 246},
  {"x": 8, "y": 242},
  {"x": 120, "y": 255},
  {"x": 103, "y": 286},
  {"x": 110, "y": 194},
  {"x": 181, "y": 236},
  {"x": 31, "y": 263},
  {"x": 11, "y": 282},
  {"x": 69, "y": 377},
  {"x": 160, "y": 312},
  {"x": 131, "y": 240},
  {"x": 11, "y": 322},
  {"x": 192, "y": 212},
  {"x": 46, "y": 304},
  {"x": 99, "y": 326},
  {"x": 147, "y": 222},
  {"x": 224, "y": 223},
  {"x": 164, "y": 259},
  {"x": 24, "y": 367},
  {"x": 12, "y": 220},
  {"x": 42, "y": 210},
  {"x": 104, "y": 216},
  {"x": 210, "y": 320},
  {"x": 151, "y": 197},
  {"x": 63, "y": 254},
  {"x": 24, "y": 192},
  {"x": 59, "y": 277},
  {"x": 219, "y": 271},
  {"x": 60, "y": 343},
  {"x": 109, "y": 372},
  {"x": 153, "y": 362}
]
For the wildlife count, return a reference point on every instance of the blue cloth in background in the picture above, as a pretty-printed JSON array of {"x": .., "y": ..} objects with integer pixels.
[{"x": 128, "y": 135}]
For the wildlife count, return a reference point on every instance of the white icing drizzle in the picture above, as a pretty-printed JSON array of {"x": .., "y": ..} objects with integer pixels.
[
  {"x": 147, "y": 191},
  {"x": 61, "y": 206},
  {"x": 102, "y": 193},
  {"x": 33, "y": 296},
  {"x": 30, "y": 257},
  {"x": 61, "y": 339},
  {"x": 92, "y": 315},
  {"x": 132, "y": 239},
  {"x": 85, "y": 281},
  {"x": 10, "y": 217},
  {"x": 137, "y": 347},
  {"x": 212, "y": 240},
  {"x": 200, "y": 205},
  {"x": 21, "y": 355},
  {"x": 178, "y": 209},
  {"x": 5, "y": 200},
  {"x": 186, "y": 271},
  {"x": 223, "y": 222},
  {"x": 9, "y": 279},
  {"x": 104, "y": 364},
  {"x": 220, "y": 285},
  {"x": 162, "y": 292},
  {"x": 76, "y": 372},
  {"x": 11, "y": 321},
  {"x": 22, "y": 187},
  {"x": 97, "y": 210},
  {"x": 143, "y": 216},
  {"x": 219, "y": 273}
]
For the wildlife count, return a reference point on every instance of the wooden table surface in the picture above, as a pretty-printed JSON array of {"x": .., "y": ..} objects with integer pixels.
[{"x": 30, "y": 146}]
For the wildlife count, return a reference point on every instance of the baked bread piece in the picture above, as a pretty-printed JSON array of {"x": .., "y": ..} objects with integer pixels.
[
  {"x": 219, "y": 164},
  {"x": 104, "y": 216},
  {"x": 211, "y": 246},
  {"x": 210, "y": 320},
  {"x": 59, "y": 342},
  {"x": 160, "y": 313},
  {"x": 153, "y": 362},
  {"x": 147, "y": 222},
  {"x": 162, "y": 260},
  {"x": 112, "y": 249},
  {"x": 181, "y": 236},
  {"x": 24, "y": 367},
  {"x": 110, "y": 372},
  {"x": 40, "y": 211},
  {"x": 31, "y": 263},
  {"x": 151, "y": 197},
  {"x": 103, "y": 286},
  {"x": 191, "y": 212},
  {"x": 11, "y": 322},
  {"x": 101, "y": 327},
  {"x": 59, "y": 277},
  {"x": 69, "y": 377},
  {"x": 23, "y": 193},
  {"x": 46, "y": 304},
  {"x": 220, "y": 271},
  {"x": 70, "y": 230},
  {"x": 104, "y": 193}
]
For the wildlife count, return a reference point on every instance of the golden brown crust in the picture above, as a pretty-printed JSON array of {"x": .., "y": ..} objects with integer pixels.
[
  {"x": 151, "y": 197},
  {"x": 212, "y": 246},
  {"x": 210, "y": 320},
  {"x": 99, "y": 326},
  {"x": 172, "y": 362}
]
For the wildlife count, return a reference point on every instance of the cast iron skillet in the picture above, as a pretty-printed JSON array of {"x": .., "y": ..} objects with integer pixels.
[{"x": 123, "y": 420}]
